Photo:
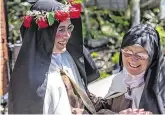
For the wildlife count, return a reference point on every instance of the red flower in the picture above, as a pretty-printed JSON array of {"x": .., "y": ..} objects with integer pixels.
[
  {"x": 70, "y": 1},
  {"x": 27, "y": 21},
  {"x": 42, "y": 23},
  {"x": 61, "y": 15},
  {"x": 74, "y": 12},
  {"x": 78, "y": 6}
]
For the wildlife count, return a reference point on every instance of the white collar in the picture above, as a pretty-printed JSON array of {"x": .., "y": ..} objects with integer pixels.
[{"x": 133, "y": 81}]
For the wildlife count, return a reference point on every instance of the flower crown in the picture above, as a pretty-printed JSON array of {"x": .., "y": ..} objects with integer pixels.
[{"x": 45, "y": 19}]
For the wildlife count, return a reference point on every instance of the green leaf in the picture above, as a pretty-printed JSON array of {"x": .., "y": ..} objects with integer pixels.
[
  {"x": 50, "y": 17},
  {"x": 115, "y": 58},
  {"x": 77, "y": 1},
  {"x": 94, "y": 54},
  {"x": 103, "y": 74}
]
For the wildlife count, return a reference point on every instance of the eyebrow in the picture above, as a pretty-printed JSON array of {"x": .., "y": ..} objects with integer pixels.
[
  {"x": 64, "y": 26},
  {"x": 137, "y": 52},
  {"x": 143, "y": 52}
]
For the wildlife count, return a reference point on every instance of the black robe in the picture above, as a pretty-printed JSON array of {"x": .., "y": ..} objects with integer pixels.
[{"x": 34, "y": 59}]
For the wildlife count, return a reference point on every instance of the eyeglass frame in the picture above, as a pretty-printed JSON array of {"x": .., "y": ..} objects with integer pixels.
[{"x": 136, "y": 55}]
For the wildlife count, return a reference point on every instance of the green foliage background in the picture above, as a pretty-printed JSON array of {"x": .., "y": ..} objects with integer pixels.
[
  {"x": 102, "y": 23},
  {"x": 16, "y": 11}
]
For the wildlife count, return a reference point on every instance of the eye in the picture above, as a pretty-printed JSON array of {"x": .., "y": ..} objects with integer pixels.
[
  {"x": 61, "y": 29},
  {"x": 127, "y": 53},
  {"x": 142, "y": 55},
  {"x": 70, "y": 28},
  {"x": 139, "y": 56}
]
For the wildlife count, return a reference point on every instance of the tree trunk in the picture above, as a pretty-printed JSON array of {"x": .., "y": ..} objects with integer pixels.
[
  {"x": 4, "y": 60},
  {"x": 162, "y": 9},
  {"x": 135, "y": 12},
  {"x": 86, "y": 21}
]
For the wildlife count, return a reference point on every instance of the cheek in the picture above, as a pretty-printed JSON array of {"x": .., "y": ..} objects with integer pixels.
[
  {"x": 59, "y": 35},
  {"x": 144, "y": 64},
  {"x": 69, "y": 34},
  {"x": 124, "y": 60}
]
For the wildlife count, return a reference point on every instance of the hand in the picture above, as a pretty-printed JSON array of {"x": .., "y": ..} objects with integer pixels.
[
  {"x": 77, "y": 111},
  {"x": 131, "y": 111},
  {"x": 135, "y": 111}
]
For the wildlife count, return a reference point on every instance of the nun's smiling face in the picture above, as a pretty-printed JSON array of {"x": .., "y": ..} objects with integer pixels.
[
  {"x": 63, "y": 34},
  {"x": 135, "y": 59}
]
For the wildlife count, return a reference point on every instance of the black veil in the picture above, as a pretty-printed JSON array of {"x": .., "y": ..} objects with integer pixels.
[
  {"x": 153, "y": 96},
  {"x": 32, "y": 64}
]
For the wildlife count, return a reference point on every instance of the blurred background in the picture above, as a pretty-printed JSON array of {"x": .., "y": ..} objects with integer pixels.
[{"x": 104, "y": 24}]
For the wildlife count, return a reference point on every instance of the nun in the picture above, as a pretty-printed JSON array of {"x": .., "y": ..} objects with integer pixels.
[
  {"x": 139, "y": 87},
  {"x": 52, "y": 62}
]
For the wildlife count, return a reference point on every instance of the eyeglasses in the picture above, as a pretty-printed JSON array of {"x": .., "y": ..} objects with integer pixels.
[
  {"x": 63, "y": 29},
  {"x": 140, "y": 56}
]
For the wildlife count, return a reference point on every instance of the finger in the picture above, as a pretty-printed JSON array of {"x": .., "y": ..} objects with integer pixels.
[
  {"x": 126, "y": 111},
  {"x": 140, "y": 110},
  {"x": 77, "y": 111},
  {"x": 148, "y": 112},
  {"x": 129, "y": 111},
  {"x": 134, "y": 110},
  {"x": 123, "y": 112},
  {"x": 134, "y": 113}
]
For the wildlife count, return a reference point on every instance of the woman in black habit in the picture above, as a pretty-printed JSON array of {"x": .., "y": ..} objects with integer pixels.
[
  {"x": 36, "y": 86},
  {"x": 140, "y": 84}
]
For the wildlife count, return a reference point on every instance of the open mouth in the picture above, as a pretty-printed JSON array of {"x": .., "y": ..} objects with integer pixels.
[
  {"x": 134, "y": 66},
  {"x": 63, "y": 43}
]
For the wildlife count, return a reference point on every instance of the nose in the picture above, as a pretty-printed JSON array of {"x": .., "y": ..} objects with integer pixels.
[
  {"x": 67, "y": 34},
  {"x": 134, "y": 58}
]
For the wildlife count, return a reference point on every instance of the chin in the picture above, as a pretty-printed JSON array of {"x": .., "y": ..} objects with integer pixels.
[
  {"x": 134, "y": 73},
  {"x": 60, "y": 51},
  {"x": 63, "y": 50}
]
